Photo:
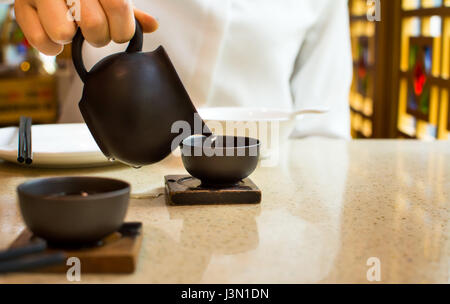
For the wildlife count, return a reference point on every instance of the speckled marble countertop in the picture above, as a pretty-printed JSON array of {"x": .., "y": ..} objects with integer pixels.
[{"x": 328, "y": 206}]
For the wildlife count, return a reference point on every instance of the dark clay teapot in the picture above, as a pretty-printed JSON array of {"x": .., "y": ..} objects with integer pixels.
[{"x": 130, "y": 101}]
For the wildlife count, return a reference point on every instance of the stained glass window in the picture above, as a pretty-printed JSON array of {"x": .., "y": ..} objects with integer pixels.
[
  {"x": 420, "y": 61},
  {"x": 362, "y": 92},
  {"x": 424, "y": 69}
]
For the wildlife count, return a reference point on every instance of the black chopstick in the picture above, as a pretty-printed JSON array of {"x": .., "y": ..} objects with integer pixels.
[
  {"x": 24, "y": 150},
  {"x": 32, "y": 261},
  {"x": 21, "y": 147},
  {"x": 28, "y": 150},
  {"x": 35, "y": 246}
]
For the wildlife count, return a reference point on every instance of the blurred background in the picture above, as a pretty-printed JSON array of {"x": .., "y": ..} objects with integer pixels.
[
  {"x": 401, "y": 70},
  {"x": 400, "y": 83},
  {"x": 30, "y": 83}
]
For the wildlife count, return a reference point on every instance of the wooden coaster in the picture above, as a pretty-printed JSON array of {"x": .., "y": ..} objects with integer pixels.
[
  {"x": 187, "y": 190},
  {"x": 117, "y": 253}
]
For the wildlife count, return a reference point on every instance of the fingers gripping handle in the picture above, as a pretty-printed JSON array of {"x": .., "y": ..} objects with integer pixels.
[{"x": 135, "y": 45}]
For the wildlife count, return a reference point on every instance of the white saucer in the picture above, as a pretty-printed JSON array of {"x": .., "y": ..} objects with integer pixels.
[{"x": 56, "y": 145}]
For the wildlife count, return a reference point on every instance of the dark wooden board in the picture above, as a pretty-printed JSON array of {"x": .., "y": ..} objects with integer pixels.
[
  {"x": 117, "y": 253},
  {"x": 187, "y": 190}
]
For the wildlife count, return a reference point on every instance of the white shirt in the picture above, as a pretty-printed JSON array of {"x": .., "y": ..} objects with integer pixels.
[{"x": 288, "y": 54}]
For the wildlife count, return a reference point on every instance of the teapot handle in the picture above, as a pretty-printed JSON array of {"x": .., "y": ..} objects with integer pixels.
[{"x": 134, "y": 46}]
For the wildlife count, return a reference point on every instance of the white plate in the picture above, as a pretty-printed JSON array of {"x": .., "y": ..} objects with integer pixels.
[
  {"x": 244, "y": 114},
  {"x": 57, "y": 145}
]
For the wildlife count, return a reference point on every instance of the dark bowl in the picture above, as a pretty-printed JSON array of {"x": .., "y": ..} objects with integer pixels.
[
  {"x": 73, "y": 210},
  {"x": 220, "y": 160}
]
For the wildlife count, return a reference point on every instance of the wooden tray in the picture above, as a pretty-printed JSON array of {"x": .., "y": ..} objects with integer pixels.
[
  {"x": 117, "y": 253},
  {"x": 187, "y": 190}
]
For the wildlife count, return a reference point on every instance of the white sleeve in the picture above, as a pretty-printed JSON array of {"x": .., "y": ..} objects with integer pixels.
[{"x": 323, "y": 73}]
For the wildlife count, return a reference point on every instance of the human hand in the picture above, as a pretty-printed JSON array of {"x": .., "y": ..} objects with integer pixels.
[{"x": 47, "y": 24}]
